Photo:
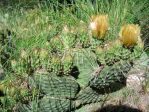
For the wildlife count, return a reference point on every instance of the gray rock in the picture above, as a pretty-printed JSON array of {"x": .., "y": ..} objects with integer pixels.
[{"x": 139, "y": 73}]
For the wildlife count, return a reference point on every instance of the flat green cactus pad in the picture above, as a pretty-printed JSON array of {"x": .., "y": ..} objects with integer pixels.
[
  {"x": 86, "y": 62},
  {"x": 88, "y": 95},
  {"x": 59, "y": 87},
  {"x": 111, "y": 78}
]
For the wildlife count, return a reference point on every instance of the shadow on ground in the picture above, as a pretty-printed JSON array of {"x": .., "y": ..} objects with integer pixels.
[{"x": 118, "y": 108}]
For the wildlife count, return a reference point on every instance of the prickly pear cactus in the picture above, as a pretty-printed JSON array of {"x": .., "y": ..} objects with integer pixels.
[
  {"x": 64, "y": 93},
  {"x": 54, "y": 86},
  {"x": 57, "y": 93},
  {"x": 56, "y": 105},
  {"x": 89, "y": 95},
  {"x": 111, "y": 78},
  {"x": 47, "y": 104},
  {"x": 86, "y": 62}
]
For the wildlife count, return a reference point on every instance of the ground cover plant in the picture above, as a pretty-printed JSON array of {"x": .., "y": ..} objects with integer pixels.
[{"x": 63, "y": 56}]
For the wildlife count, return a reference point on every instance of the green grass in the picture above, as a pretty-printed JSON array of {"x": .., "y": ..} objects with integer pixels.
[{"x": 33, "y": 23}]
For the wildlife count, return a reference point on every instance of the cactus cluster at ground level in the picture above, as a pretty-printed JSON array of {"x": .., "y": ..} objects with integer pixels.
[{"x": 73, "y": 72}]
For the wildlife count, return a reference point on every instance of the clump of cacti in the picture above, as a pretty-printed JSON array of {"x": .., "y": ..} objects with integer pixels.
[{"x": 49, "y": 83}]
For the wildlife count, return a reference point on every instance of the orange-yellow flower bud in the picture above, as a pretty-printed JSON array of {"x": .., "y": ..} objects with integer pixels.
[
  {"x": 129, "y": 35},
  {"x": 99, "y": 26}
]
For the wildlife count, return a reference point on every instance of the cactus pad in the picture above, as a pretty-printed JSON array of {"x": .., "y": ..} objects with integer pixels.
[
  {"x": 111, "y": 78},
  {"x": 54, "y": 86}
]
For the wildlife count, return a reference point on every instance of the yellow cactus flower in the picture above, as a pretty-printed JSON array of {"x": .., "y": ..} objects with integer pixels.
[
  {"x": 99, "y": 26},
  {"x": 129, "y": 35}
]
